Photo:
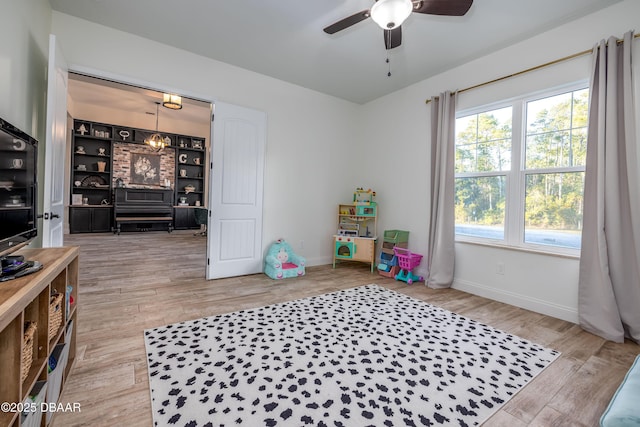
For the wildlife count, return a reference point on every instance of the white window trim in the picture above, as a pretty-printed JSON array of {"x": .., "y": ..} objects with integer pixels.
[{"x": 515, "y": 179}]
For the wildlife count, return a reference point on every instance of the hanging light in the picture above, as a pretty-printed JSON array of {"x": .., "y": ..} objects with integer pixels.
[
  {"x": 172, "y": 101},
  {"x": 390, "y": 14},
  {"x": 156, "y": 140}
]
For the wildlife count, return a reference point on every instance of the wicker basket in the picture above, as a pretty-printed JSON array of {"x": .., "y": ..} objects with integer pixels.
[
  {"x": 30, "y": 329},
  {"x": 55, "y": 314}
]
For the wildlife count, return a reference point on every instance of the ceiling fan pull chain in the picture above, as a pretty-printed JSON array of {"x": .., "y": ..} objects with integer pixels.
[{"x": 389, "y": 72}]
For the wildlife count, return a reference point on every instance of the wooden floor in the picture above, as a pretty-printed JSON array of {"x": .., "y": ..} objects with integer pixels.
[{"x": 136, "y": 281}]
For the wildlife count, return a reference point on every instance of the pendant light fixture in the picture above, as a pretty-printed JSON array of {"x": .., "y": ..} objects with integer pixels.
[
  {"x": 390, "y": 14},
  {"x": 173, "y": 102},
  {"x": 156, "y": 140}
]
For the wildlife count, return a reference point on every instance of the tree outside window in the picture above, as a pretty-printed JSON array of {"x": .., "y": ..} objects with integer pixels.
[{"x": 523, "y": 188}]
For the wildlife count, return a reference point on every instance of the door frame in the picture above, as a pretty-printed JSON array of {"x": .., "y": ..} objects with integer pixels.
[
  {"x": 53, "y": 209},
  {"x": 144, "y": 84}
]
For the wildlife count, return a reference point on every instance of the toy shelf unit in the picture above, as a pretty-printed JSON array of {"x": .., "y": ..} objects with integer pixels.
[
  {"x": 38, "y": 323},
  {"x": 388, "y": 263},
  {"x": 357, "y": 235}
]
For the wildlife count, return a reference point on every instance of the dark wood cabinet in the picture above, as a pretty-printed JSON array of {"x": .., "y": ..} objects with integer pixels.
[
  {"x": 90, "y": 219},
  {"x": 101, "y": 220},
  {"x": 184, "y": 218}
]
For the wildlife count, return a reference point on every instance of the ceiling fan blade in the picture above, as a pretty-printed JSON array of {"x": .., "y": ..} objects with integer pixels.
[
  {"x": 392, "y": 38},
  {"x": 347, "y": 22},
  {"x": 442, "y": 7}
]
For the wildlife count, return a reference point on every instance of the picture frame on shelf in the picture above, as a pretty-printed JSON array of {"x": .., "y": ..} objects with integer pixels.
[{"x": 76, "y": 199}]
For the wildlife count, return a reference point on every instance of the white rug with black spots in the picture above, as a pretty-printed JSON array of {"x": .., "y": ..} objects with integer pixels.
[{"x": 366, "y": 356}]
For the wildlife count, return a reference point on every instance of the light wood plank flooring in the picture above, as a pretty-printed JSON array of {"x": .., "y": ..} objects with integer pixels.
[{"x": 137, "y": 281}]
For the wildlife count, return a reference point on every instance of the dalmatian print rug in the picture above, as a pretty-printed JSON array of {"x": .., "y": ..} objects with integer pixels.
[{"x": 366, "y": 356}]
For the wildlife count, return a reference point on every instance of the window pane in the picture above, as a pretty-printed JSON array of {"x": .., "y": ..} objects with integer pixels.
[
  {"x": 483, "y": 141},
  {"x": 479, "y": 209},
  {"x": 553, "y": 209},
  {"x": 549, "y": 150},
  {"x": 557, "y": 130}
]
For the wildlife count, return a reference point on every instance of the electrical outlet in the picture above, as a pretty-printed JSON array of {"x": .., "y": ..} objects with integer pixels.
[{"x": 500, "y": 268}]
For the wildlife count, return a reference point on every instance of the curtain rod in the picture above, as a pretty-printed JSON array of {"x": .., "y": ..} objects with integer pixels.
[{"x": 537, "y": 67}]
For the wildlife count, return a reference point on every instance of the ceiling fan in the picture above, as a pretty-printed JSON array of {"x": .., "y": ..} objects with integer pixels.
[{"x": 390, "y": 14}]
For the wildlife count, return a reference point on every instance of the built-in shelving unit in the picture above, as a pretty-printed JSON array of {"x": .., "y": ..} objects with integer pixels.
[
  {"x": 92, "y": 174},
  {"x": 190, "y": 180}
]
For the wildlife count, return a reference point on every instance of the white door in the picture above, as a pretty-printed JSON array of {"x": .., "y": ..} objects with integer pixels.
[
  {"x": 238, "y": 141},
  {"x": 55, "y": 143}
]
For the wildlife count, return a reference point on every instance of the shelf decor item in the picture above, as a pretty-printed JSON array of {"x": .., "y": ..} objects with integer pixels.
[{"x": 93, "y": 181}]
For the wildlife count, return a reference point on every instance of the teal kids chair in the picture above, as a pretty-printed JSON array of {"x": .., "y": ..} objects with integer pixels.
[{"x": 282, "y": 263}]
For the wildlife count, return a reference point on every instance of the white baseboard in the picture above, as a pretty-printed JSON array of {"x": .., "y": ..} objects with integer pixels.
[
  {"x": 311, "y": 262},
  {"x": 539, "y": 306}
]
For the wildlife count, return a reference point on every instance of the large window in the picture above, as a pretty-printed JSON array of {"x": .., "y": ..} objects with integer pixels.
[{"x": 520, "y": 171}]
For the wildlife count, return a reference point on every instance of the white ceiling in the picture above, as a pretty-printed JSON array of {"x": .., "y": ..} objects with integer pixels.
[
  {"x": 284, "y": 38},
  {"x": 86, "y": 91}
]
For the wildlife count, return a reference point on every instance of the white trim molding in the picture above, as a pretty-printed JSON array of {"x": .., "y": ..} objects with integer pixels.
[{"x": 539, "y": 306}]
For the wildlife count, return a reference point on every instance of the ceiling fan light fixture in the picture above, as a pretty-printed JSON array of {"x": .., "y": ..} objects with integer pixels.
[
  {"x": 390, "y": 14},
  {"x": 173, "y": 102}
]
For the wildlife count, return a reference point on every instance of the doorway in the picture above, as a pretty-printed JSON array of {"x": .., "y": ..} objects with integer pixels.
[
  {"x": 233, "y": 188},
  {"x": 124, "y": 107}
]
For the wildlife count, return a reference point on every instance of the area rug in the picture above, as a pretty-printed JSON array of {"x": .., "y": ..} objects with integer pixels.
[{"x": 357, "y": 357}]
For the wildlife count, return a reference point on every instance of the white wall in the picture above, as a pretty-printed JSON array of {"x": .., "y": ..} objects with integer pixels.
[
  {"x": 397, "y": 124},
  {"x": 24, "y": 31},
  {"x": 309, "y": 135}
]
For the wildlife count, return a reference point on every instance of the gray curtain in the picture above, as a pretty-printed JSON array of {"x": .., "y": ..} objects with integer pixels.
[
  {"x": 609, "y": 283},
  {"x": 441, "y": 249}
]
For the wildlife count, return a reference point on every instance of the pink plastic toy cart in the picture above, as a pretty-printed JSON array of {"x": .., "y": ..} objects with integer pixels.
[{"x": 407, "y": 261}]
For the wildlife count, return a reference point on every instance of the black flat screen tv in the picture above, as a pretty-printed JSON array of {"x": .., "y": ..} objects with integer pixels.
[{"x": 18, "y": 188}]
